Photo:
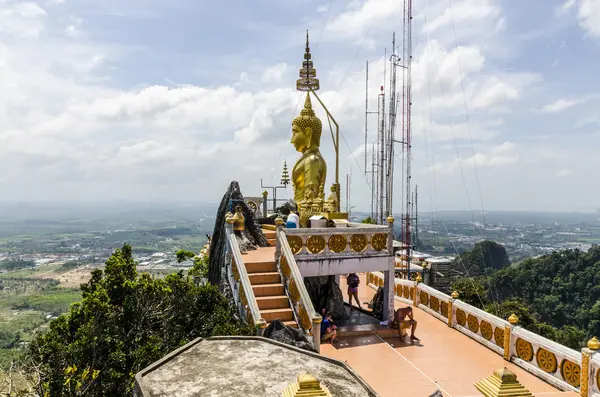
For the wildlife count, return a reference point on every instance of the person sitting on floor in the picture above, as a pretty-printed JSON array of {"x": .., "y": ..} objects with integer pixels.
[
  {"x": 403, "y": 323},
  {"x": 293, "y": 220},
  {"x": 328, "y": 329}
]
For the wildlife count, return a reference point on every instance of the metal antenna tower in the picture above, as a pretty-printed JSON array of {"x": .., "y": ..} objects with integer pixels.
[
  {"x": 381, "y": 156},
  {"x": 373, "y": 164},
  {"x": 406, "y": 128}
]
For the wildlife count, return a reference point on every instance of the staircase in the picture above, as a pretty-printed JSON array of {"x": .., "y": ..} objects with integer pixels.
[{"x": 267, "y": 285}]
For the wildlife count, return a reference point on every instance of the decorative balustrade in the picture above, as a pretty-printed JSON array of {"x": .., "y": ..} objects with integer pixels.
[
  {"x": 240, "y": 282},
  {"x": 594, "y": 380},
  {"x": 306, "y": 316},
  {"x": 558, "y": 365},
  {"x": 356, "y": 239}
]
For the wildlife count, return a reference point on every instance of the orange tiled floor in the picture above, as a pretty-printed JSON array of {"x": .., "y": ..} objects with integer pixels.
[{"x": 445, "y": 359}]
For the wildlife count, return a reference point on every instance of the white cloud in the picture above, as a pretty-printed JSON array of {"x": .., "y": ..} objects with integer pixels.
[
  {"x": 588, "y": 13},
  {"x": 560, "y": 105},
  {"x": 21, "y": 19},
  {"x": 562, "y": 173}
]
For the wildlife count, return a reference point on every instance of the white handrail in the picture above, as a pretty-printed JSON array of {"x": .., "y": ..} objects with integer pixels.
[{"x": 244, "y": 279}]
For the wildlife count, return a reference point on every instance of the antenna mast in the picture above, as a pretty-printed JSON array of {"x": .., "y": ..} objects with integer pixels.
[{"x": 406, "y": 129}]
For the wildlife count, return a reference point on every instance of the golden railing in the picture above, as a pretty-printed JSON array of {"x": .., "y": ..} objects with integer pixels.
[
  {"x": 240, "y": 282},
  {"x": 356, "y": 239},
  {"x": 306, "y": 316},
  {"x": 564, "y": 368}
]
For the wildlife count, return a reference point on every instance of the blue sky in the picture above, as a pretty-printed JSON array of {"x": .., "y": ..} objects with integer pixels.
[{"x": 158, "y": 100}]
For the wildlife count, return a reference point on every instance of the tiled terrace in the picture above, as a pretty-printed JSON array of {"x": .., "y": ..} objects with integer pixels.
[{"x": 445, "y": 359}]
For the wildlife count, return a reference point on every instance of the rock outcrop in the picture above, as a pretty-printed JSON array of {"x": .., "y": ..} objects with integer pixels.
[
  {"x": 280, "y": 332},
  {"x": 326, "y": 293},
  {"x": 249, "y": 239}
]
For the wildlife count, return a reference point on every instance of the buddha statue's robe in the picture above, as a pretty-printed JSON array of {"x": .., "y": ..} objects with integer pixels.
[{"x": 308, "y": 175}]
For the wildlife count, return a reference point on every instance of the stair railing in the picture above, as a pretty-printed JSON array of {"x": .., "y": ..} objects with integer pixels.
[
  {"x": 309, "y": 319},
  {"x": 240, "y": 282}
]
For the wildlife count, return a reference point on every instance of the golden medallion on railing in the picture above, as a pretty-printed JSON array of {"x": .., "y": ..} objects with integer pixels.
[
  {"x": 304, "y": 318},
  {"x": 294, "y": 292},
  {"x": 444, "y": 309},
  {"x": 295, "y": 243},
  {"x": 461, "y": 317},
  {"x": 434, "y": 303},
  {"x": 315, "y": 244},
  {"x": 524, "y": 350},
  {"x": 369, "y": 278},
  {"x": 398, "y": 290},
  {"x": 285, "y": 267},
  {"x": 546, "y": 360},
  {"x": 358, "y": 242},
  {"x": 406, "y": 292},
  {"x": 381, "y": 282},
  {"x": 234, "y": 270},
  {"x": 424, "y": 298},
  {"x": 337, "y": 243},
  {"x": 379, "y": 241},
  {"x": 499, "y": 336},
  {"x": 411, "y": 291},
  {"x": 473, "y": 322},
  {"x": 486, "y": 330},
  {"x": 243, "y": 295},
  {"x": 571, "y": 373}
]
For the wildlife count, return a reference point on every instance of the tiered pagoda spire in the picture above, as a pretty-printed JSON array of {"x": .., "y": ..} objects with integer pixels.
[
  {"x": 285, "y": 176},
  {"x": 308, "y": 74}
]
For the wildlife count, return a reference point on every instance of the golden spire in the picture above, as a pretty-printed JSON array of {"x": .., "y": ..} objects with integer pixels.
[
  {"x": 503, "y": 383},
  {"x": 308, "y": 75},
  {"x": 306, "y": 385}
]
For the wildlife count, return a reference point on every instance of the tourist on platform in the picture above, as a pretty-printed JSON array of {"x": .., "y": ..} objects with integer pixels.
[
  {"x": 403, "y": 323},
  {"x": 353, "y": 281},
  {"x": 293, "y": 220},
  {"x": 328, "y": 329}
]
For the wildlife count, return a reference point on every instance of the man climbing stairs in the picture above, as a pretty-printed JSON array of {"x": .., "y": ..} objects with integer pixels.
[{"x": 267, "y": 285}]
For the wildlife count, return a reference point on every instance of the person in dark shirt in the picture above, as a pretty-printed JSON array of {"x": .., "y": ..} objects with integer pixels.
[
  {"x": 328, "y": 329},
  {"x": 353, "y": 281}
]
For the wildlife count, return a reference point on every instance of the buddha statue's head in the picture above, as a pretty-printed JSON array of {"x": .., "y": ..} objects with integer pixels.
[{"x": 306, "y": 128}]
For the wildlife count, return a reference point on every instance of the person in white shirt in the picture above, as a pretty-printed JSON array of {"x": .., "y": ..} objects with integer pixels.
[{"x": 293, "y": 220}]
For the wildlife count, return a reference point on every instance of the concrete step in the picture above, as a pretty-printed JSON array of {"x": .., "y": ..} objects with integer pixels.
[
  {"x": 268, "y": 290},
  {"x": 268, "y": 233},
  {"x": 261, "y": 267},
  {"x": 272, "y": 302},
  {"x": 264, "y": 278},
  {"x": 290, "y": 323},
  {"x": 285, "y": 314}
]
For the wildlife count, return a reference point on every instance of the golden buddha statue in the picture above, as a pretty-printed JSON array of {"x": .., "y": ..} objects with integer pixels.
[{"x": 308, "y": 175}]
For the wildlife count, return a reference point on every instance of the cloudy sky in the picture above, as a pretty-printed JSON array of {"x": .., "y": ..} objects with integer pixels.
[{"x": 170, "y": 100}]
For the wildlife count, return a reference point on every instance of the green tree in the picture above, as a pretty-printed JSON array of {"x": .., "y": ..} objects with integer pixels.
[
  {"x": 484, "y": 258},
  {"x": 124, "y": 322},
  {"x": 471, "y": 291},
  {"x": 200, "y": 269},
  {"x": 369, "y": 221}
]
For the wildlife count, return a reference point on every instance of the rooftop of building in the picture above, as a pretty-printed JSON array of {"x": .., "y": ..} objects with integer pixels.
[{"x": 243, "y": 367}]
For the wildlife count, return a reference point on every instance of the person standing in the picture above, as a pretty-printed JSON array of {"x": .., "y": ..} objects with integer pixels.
[{"x": 353, "y": 281}]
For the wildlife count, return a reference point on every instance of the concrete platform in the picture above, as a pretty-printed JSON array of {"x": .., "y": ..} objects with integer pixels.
[{"x": 445, "y": 359}]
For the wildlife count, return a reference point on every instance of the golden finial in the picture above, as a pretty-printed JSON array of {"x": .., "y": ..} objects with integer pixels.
[
  {"x": 593, "y": 344},
  {"x": 390, "y": 219},
  {"x": 279, "y": 221},
  {"x": 454, "y": 294},
  {"x": 513, "y": 319},
  {"x": 419, "y": 278},
  {"x": 306, "y": 385},
  {"x": 239, "y": 222},
  {"x": 502, "y": 383},
  {"x": 308, "y": 75},
  {"x": 285, "y": 177},
  {"x": 229, "y": 218}
]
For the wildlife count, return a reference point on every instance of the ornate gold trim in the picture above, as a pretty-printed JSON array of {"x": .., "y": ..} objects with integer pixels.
[
  {"x": 571, "y": 373},
  {"x": 434, "y": 303},
  {"x": 379, "y": 241},
  {"x": 524, "y": 350},
  {"x": 546, "y": 360},
  {"x": 358, "y": 242},
  {"x": 337, "y": 243},
  {"x": 461, "y": 317},
  {"x": 499, "y": 337},
  {"x": 315, "y": 244},
  {"x": 424, "y": 298},
  {"x": 473, "y": 323},
  {"x": 486, "y": 330},
  {"x": 295, "y": 243}
]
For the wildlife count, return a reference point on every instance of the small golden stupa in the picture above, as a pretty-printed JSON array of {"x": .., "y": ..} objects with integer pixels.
[
  {"x": 306, "y": 386},
  {"x": 502, "y": 383}
]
